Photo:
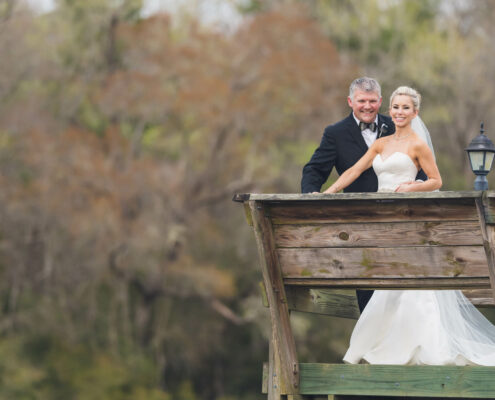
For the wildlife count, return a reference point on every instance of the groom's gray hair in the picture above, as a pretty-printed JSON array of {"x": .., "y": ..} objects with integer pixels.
[{"x": 365, "y": 84}]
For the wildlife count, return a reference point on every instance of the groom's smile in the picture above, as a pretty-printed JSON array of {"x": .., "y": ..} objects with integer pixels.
[{"x": 365, "y": 105}]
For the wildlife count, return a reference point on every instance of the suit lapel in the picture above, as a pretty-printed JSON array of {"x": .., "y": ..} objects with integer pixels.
[{"x": 356, "y": 133}]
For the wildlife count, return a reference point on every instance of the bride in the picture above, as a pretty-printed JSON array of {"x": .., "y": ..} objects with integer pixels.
[{"x": 406, "y": 326}]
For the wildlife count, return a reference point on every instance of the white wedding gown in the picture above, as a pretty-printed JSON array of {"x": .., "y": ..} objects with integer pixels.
[{"x": 433, "y": 327}]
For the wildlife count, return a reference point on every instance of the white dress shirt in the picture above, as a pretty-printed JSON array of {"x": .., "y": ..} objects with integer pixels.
[{"x": 368, "y": 135}]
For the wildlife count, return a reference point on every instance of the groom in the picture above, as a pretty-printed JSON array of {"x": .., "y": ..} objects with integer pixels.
[{"x": 346, "y": 141}]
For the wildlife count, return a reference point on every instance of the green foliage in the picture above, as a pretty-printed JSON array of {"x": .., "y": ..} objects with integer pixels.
[
  {"x": 41, "y": 367},
  {"x": 251, "y": 6}
]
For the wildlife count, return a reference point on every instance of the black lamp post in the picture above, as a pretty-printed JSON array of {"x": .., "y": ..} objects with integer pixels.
[{"x": 480, "y": 152}]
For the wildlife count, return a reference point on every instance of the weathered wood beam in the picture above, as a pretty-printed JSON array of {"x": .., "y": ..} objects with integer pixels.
[
  {"x": 488, "y": 232},
  {"x": 283, "y": 343},
  {"x": 247, "y": 212},
  {"x": 398, "y": 262},
  {"x": 394, "y": 283},
  {"x": 398, "y": 380},
  {"x": 362, "y": 211},
  {"x": 361, "y": 397},
  {"x": 335, "y": 302},
  {"x": 342, "y": 303},
  {"x": 480, "y": 297},
  {"x": 274, "y": 388},
  {"x": 264, "y": 378},
  {"x": 305, "y": 197},
  {"x": 439, "y": 233}
]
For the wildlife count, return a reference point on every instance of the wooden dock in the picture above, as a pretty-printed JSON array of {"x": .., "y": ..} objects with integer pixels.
[{"x": 311, "y": 247}]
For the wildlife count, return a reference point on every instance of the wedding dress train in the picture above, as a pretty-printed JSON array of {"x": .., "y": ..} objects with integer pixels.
[{"x": 433, "y": 327}]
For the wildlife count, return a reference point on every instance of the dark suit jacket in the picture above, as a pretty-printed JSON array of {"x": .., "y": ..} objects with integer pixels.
[{"x": 341, "y": 147}]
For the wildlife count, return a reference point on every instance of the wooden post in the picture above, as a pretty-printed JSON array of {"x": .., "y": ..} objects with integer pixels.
[
  {"x": 487, "y": 225},
  {"x": 284, "y": 365},
  {"x": 273, "y": 370}
]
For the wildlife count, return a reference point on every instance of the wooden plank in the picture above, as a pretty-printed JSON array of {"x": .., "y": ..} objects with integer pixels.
[
  {"x": 488, "y": 231},
  {"x": 398, "y": 380},
  {"x": 394, "y": 283},
  {"x": 379, "y": 234},
  {"x": 285, "y": 365},
  {"x": 360, "y": 397},
  {"x": 306, "y": 197},
  {"x": 338, "y": 303},
  {"x": 480, "y": 297},
  {"x": 273, "y": 388},
  {"x": 342, "y": 303},
  {"x": 488, "y": 199},
  {"x": 264, "y": 297},
  {"x": 247, "y": 213},
  {"x": 400, "y": 262},
  {"x": 241, "y": 197},
  {"x": 360, "y": 211}
]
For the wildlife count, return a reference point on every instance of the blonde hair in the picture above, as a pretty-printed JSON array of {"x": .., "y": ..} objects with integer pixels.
[{"x": 407, "y": 91}]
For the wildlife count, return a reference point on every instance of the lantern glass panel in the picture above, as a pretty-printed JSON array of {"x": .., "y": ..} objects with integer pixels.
[
  {"x": 489, "y": 160},
  {"x": 477, "y": 160}
]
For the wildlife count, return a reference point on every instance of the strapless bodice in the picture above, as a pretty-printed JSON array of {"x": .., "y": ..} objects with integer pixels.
[{"x": 397, "y": 168}]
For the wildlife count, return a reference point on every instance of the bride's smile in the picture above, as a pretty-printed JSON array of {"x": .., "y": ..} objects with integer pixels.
[{"x": 402, "y": 111}]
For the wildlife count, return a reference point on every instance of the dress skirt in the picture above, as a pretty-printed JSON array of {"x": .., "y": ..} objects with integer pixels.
[{"x": 422, "y": 327}]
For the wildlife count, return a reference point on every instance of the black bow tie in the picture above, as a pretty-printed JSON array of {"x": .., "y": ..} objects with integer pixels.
[{"x": 371, "y": 126}]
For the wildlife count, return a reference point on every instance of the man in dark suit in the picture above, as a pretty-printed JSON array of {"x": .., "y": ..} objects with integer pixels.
[{"x": 346, "y": 141}]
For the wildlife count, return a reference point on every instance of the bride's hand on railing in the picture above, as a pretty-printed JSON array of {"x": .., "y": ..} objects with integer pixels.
[{"x": 406, "y": 187}]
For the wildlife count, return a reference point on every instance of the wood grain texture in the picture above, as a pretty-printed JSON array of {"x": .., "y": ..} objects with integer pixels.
[
  {"x": 247, "y": 213},
  {"x": 273, "y": 387},
  {"x": 283, "y": 364},
  {"x": 264, "y": 378},
  {"x": 480, "y": 297},
  {"x": 488, "y": 233},
  {"x": 320, "y": 197},
  {"x": 393, "y": 283},
  {"x": 342, "y": 302},
  {"x": 398, "y": 380},
  {"x": 360, "y": 211},
  {"x": 379, "y": 234},
  {"x": 400, "y": 262},
  {"x": 335, "y": 302},
  {"x": 361, "y": 397}
]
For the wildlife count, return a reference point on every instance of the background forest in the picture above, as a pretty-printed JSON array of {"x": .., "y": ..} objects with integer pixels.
[{"x": 126, "y": 271}]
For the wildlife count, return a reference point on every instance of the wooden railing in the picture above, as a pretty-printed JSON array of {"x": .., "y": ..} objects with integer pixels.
[{"x": 312, "y": 247}]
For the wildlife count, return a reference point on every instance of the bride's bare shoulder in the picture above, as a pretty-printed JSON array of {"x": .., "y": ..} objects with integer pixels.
[
  {"x": 419, "y": 145},
  {"x": 418, "y": 141}
]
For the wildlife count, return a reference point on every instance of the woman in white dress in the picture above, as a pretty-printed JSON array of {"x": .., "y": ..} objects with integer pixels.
[{"x": 413, "y": 327}]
